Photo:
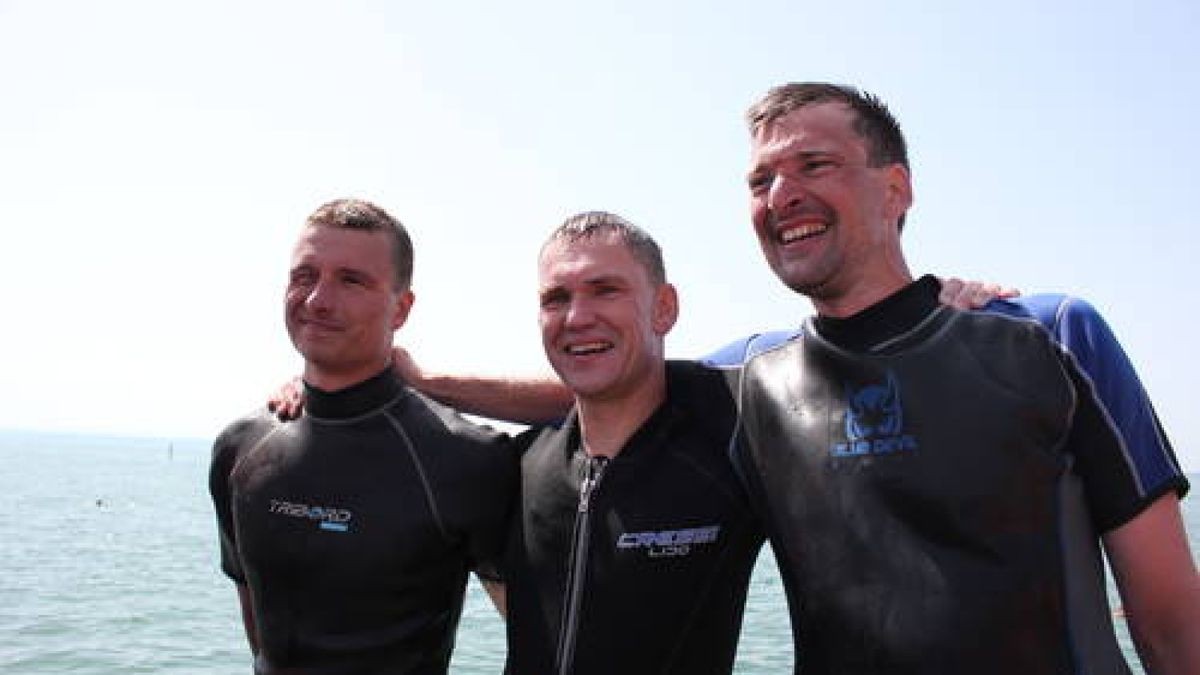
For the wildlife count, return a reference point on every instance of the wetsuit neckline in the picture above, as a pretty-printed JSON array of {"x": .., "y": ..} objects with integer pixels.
[
  {"x": 645, "y": 436},
  {"x": 883, "y": 321},
  {"x": 355, "y": 400}
]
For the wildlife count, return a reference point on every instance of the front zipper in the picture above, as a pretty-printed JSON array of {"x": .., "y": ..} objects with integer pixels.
[{"x": 579, "y": 557}]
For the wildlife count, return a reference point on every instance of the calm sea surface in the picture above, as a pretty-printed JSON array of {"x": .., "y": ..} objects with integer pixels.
[{"x": 109, "y": 565}]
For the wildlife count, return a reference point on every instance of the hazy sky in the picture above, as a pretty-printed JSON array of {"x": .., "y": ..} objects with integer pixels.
[{"x": 157, "y": 158}]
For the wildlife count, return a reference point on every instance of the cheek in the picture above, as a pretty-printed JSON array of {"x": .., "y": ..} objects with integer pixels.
[
  {"x": 292, "y": 302},
  {"x": 759, "y": 215},
  {"x": 758, "y": 210},
  {"x": 546, "y": 326}
]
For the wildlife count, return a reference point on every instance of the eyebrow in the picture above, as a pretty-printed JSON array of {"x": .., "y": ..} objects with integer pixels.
[
  {"x": 799, "y": 154},
  {"x": 305, "y": 265},
  {"x": 611, "y": 279}
]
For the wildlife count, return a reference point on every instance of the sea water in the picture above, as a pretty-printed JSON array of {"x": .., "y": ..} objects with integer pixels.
[{"x": 108, "y": 564}]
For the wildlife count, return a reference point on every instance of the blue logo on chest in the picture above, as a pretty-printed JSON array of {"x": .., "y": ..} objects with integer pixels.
[{"x": 874, "y": 421}]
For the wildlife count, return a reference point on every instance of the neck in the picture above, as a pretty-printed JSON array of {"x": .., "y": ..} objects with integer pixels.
[
  {"x": 876, "y": 282},
  {"x": 605, "y": 425},
  {"x": 331, "y": 380},
  {"x": 884, "y": 321}
]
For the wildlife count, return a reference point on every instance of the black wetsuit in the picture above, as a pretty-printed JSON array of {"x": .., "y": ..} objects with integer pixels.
[
  {"x": 646, "y": 571},
  {"x": 934, "y": 482},
  {"x": 355, "y": 525}
]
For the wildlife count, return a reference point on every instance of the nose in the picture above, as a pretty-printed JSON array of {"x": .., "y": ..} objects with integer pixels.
[
  {"x": 320, "y": 296},
  {"x": 579, "y": 314},
  {"x": 784, "y": 194}
]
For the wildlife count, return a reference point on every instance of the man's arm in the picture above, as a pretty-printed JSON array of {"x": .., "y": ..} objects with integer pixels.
[
  {"x": 529, "y": 400},
  {"x": 242, "y": 433},
  {"x": 248, "y": 617},
  {"x": 1126, "y": 459},
  {"x": 498, "y": 593},
  {"x": 1159, "y": 585}
]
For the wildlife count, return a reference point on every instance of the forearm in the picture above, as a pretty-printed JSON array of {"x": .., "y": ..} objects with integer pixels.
[
  {"x": 529, "y": 400},
  {"x": 498, "y": 593},
  {"x": 248, "y": 617},
  {"x": 1160, "y": 588},
  {"x": 1168, "y": 641}
]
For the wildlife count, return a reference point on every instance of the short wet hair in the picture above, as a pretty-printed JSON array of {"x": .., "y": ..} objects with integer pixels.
[
  {"x": 591, "y": 224},
  {"x": 873, "y": 121},
  {"x": 359, "y": 214}
]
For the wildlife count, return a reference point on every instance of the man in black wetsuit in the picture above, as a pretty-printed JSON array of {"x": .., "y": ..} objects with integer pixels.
[
  {"x": 349, "y": 532},
  {"x": 935, "y": 482},
  {"x": 634, "y": 541}
]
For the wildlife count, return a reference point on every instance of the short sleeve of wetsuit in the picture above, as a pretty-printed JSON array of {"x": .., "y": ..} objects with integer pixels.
[
  {"x": 223, "y": 458},
  {"x": 494, "y": 570},
  {"x": 496, "y": 497},
  {"x": 226, "y": 449},
  {"x": 1086, "y": 336},
  {"x": 1115, "y": 489}
]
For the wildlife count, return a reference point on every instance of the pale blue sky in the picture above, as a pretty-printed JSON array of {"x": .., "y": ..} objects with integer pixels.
[{"x": 156, "y": 159}]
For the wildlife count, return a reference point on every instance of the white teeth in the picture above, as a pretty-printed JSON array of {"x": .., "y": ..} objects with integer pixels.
[
  {"x": 587, "y": 348},
  {"x": 800, "y": 232}
]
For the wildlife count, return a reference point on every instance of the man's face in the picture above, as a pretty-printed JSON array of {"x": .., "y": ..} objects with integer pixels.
[
  {"x": 342, "y": 305},
  {"x": 602, "y": 317},
  {"x": 825, "y": 220}
]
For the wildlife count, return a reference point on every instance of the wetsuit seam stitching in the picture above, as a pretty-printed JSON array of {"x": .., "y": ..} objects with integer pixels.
[
  {"x": 908, "y": 333},
  {"x": 424, "y": 479}
]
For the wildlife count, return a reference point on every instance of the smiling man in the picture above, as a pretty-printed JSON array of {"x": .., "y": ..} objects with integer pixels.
[
  {"x": 634, "y": 542},
  {"x": 349, "y": 532},
  {"x": 937, "y": 483}
]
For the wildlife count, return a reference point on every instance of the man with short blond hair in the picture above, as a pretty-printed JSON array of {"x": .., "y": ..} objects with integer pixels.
[{"x": 349, "y": 532}]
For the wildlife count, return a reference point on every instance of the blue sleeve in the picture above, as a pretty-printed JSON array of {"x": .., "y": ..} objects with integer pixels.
[
  {"x": 1084, "y": 335},
  {"x": 737, "y": 352}
]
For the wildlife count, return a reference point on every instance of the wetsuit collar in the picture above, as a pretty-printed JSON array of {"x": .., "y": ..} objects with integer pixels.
[
  {"x": 355, "y": 400},
  {"x": 883, "y": 321},
  {"x": 645, "y": 436}
]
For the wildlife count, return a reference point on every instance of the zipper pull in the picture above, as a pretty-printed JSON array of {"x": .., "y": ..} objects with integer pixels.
[{"x": 595, "y": 467}]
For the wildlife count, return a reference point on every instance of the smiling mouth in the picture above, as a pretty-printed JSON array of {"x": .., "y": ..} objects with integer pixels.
[
  {"x": 321, "y": 326},
  {"x": 804, "y": 231},
  {"x": 587, "y": 348}
]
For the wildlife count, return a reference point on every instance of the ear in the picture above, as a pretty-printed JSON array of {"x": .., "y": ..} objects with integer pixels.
[
  {"x": 666, "y": 309},
  {"x": 899, "y": 192},
  {"x": 403, "y": 306}
]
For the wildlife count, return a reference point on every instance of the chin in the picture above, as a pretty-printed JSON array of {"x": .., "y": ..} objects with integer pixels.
[{"x": 588, "y": 390}]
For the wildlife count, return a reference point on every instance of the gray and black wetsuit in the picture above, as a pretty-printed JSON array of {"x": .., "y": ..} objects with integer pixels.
[{"x": 354, "y": 526}]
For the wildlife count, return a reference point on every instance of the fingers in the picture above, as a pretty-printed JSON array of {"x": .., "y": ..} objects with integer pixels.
[
  {"x": 1008, "y": 292},
  {"x": 404, "y": 366},
  {"x": 288, "y": 401},
  {"x": 972, "y": 294},
  {"x": 951, "y": 288}
]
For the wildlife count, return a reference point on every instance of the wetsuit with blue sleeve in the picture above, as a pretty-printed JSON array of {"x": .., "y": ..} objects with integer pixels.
[
  {"x": 934, "y": 483},
  {"x": 1082, "y": 332},
  {"x": 354, "y": 526}
]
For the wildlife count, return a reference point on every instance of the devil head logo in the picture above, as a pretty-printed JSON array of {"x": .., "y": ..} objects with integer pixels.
[{"x": 873, "y": 411}]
